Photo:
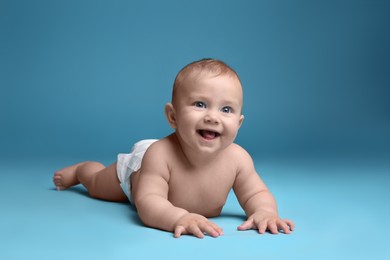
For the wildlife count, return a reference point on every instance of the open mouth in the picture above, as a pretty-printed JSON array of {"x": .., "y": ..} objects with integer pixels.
[{"x": 208, "y": 134}]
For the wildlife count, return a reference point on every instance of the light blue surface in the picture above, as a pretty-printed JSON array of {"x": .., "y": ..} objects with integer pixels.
[{"x": 340, "y": 209}]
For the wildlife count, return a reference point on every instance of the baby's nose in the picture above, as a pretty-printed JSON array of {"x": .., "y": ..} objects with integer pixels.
[{"x": 211, "y": 119}]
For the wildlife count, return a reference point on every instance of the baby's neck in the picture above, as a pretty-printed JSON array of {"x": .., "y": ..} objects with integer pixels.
[{"x": 193, "y": 158}]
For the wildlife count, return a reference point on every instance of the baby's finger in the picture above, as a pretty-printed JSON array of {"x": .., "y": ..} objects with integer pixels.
[
  {"x": 246, "y": 225},
  {"x": 217, "y": 228},
  {"x": 290, "y": 224},
  {"x": 282, "y": 226},
  {"x": 262, "y": 227},
  {"x": 272, "y": 227},
  {"x": 179, "y": 230},
  {"x": 195, "y": 230},
  {"x": 209, "y": 229}
]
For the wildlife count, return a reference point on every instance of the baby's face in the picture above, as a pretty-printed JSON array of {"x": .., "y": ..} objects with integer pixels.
[{"x": 208, "y": 112}]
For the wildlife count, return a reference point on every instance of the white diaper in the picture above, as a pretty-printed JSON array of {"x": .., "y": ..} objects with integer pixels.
[{"x": 128, "y": 163}]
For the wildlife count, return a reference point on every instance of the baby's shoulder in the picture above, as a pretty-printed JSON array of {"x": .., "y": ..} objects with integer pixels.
[
  {"x": 160, "y": 151},
  {"x": 156, "y": 159},
  {"x": 238, "y": 151},
  {"x": 161, "y": 146},
  {"x": 239, "y": 156}
]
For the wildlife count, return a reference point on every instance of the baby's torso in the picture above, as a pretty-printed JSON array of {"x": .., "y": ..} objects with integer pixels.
[{"x": 202, "y": 190}]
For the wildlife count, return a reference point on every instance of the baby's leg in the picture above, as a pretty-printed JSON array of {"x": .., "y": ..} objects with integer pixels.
[{"x": 101, "y": 182}]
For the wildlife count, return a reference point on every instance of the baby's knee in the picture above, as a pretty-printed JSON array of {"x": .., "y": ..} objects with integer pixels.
[{"x": 94, "y": 166}]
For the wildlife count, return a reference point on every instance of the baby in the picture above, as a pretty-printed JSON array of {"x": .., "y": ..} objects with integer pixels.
[{"x": 176, "y": 183}]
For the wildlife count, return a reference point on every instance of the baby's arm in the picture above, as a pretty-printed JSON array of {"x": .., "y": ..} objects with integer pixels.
[
  {"x": 154, "y": 209},
  {"x": 257, "y": 201}
]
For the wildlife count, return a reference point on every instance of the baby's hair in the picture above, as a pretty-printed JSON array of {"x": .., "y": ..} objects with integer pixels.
[{"x": 208, "y": 66}]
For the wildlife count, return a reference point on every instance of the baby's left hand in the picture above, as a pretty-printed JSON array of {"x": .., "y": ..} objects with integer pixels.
[{"x": 263, "y": 221}]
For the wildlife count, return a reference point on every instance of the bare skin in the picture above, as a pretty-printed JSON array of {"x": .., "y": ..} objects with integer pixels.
[
  {"x": 186, "y": 211},
  {"x": 101, "y": 182},
  {"x": 185, "y": 177},
  {"x": 179, "y": 195}
]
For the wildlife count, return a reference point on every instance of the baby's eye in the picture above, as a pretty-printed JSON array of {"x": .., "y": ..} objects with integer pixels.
[
  {"x": 227, "y": 110},
  {"x": 200, "y": 104}
]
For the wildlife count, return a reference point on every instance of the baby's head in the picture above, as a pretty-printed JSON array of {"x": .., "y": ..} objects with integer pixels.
[
  {"x": 201, "y": 69},
  {"x": 206, "y": 105}
]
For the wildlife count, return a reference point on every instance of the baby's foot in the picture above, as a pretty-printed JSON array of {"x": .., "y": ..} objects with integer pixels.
[{"x": 66, "y": 177}]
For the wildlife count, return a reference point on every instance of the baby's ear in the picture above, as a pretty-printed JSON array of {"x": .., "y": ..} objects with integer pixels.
[
  {"x": 241, "y": 120},
  {"x": 170, "y": 113}
]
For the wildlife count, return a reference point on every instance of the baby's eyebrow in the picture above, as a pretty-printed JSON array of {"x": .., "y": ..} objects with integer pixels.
[
  {"x": 198, "y": 98},
  {"x": 231, "y": 103}
]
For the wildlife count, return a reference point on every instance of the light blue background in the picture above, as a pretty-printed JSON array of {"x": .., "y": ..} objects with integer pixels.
[
  {"x": 83, "y": 80},
  {"x": 91, "y": 77}
]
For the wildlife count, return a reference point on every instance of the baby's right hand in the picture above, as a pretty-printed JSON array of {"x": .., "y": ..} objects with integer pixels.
[{"x": 196, "y": 225}]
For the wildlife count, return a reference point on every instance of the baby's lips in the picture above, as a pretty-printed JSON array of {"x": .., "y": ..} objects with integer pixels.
[{"x": 208, "y": 134}]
